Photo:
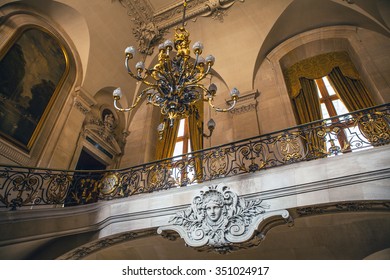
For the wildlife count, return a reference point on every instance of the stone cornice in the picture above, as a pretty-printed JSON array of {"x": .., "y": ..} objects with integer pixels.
[
  {"x": 83, "y": 100},
  {"x": 14, "y": 154}
]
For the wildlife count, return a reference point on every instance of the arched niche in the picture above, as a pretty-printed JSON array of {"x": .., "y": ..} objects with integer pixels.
[{"x": 270, "y": 81}]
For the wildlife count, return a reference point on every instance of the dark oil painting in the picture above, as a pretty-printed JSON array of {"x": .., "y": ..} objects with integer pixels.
[{"x": 31, "y": 72}]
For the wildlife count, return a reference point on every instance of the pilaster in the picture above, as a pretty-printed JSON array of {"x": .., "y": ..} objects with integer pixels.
[{"x": 64, "y": 150}]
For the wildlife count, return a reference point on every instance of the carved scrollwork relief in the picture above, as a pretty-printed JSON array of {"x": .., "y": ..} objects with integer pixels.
[
  {"x": 152, "y": 25},
  {"x": 81, "y": 106},
  {"x": 219, "y": 219}
]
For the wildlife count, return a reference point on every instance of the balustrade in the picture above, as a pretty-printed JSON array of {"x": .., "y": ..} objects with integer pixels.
[{"x": 30, "y": 187}]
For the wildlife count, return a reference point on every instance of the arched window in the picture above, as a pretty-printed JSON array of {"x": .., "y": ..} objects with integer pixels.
[
  {"x": 304, "y": 77},
  {"x": 326, "y": 86}
]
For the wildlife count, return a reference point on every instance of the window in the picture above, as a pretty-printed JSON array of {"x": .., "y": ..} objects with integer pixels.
[
  {"x": 183, "y": 143},
  {"x": 183, "y": 146},
  {"x": 332, "y": 106}
]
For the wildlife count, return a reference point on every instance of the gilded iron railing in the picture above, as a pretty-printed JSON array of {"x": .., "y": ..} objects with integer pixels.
[{"x": 30, "y": 187}]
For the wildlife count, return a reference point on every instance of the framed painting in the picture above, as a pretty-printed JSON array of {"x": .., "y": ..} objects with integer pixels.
[{"x": 32, "y": 71}]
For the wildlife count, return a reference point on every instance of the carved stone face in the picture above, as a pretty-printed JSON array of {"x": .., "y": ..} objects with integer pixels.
[{"x": 213, "y": 211}]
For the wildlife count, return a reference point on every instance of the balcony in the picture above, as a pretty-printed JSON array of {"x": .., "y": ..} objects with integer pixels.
[
  {"x": 33, "y": 187},
  {"x": 337, "y": 165}
]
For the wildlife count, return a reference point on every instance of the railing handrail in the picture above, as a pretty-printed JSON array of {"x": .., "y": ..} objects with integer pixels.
[
  {"x": 27, "y": 186},
  {"x": 198, "y": 151}
]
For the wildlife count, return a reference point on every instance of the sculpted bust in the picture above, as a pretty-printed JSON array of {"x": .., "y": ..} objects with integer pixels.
[{"x": 213, "y": 211}]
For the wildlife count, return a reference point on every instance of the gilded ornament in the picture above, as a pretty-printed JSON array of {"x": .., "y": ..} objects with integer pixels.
[
  {"x": 375, "y": 127},
  {"x": 108, "y": 184}
]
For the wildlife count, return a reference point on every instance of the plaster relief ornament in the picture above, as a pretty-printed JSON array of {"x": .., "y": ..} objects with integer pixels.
[{"x": 220, "y": 220}]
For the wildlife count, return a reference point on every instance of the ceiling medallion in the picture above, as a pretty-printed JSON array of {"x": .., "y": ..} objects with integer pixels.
[{"x": 221, "y": 221}]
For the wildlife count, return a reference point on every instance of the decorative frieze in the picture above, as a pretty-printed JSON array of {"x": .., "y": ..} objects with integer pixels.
[
  {"x": 243, "y": 109},
  {"x": 220, "y": 220},
  {"x": 246, "y": 103},
  {"x": 83, "y": 101}
]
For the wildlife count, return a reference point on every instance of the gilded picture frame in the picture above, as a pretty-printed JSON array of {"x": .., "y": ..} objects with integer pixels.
[{"x": 33, "y": 68}]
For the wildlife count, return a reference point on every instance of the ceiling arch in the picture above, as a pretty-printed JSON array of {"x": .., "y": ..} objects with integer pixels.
[
  {"x": 324, "y": 13},
  {"x": 74, "y": 25}
]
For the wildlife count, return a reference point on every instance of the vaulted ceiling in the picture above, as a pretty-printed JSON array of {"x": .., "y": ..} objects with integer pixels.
[{"x": 236, "y": 32}]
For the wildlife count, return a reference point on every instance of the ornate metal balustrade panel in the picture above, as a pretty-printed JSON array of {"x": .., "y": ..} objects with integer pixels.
[{"x": 363, "y": 129}]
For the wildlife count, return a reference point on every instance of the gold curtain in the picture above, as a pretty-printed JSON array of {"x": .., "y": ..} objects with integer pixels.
[
  {"x": 306, "y": 103},
  {"x": 317, "y": 67},
  {"x": 303, "y": 92},
  {"x": 351, "y": 91},
  {"x": 166, "y": 145},
  {"x": 308, "y": 109},
  {"x": 195, "y": 123}
]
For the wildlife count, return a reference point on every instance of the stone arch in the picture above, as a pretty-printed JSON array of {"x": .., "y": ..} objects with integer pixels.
[
  {"x": 379, "y": 255},
  {"x": 67, "y": 21},
  {"x": 311, "y": 43},
  {"x": 17, "y": 17}
]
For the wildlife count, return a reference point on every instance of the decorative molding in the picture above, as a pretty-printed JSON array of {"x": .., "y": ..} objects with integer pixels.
[
  {"x": 352, "y": 206},
  {"x": 152, "y": 25},
  {"x": 92, "y": 247},
  {"x": 85, "y": 96},
  {"x": 243, "y": 109},
  {"x": 81, "y": 106},
  {"x": 103, "y": 133},
  {"x": 13, "y": 154},
  {"x": 83, "y": 101},
  {"x": 246, "y": 103},
  {"x": 221, "y": 221},
  {"x": 147, "y": 35}
]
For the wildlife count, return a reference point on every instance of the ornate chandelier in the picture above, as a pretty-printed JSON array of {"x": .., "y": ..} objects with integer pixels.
[{"x": 174, "y": 83}]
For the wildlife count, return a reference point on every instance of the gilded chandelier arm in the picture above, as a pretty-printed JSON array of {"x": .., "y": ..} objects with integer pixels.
[
  {"x": 210, "y": 97},
  {"x": 223, "y": 109},
  {"x": 117, "y": 94},
  {"x": 210, "y": 93},
  {"x": 130, "y": 51}
]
